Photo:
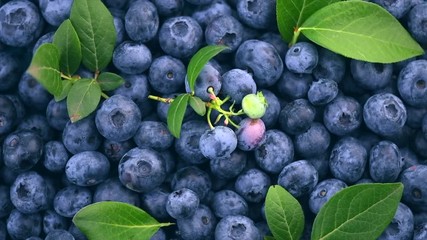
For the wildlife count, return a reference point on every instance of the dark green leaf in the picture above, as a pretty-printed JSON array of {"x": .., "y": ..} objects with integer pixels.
[
  {"x": 109, "y": 81},
  {"x": 95, "y": 27},
  {"x": 361, "y": 211},
  {"x": 116, "y": 220},
  {"x": 291, "y": 14},
  {"x": 284, "y": 214},
  {"x": 44, "y": 68},
  {"x": 176, "y": 114},
  {"x": 83, "y": 98},
  {"x": 68, "y": 43},
  {"x": 198, "y": 105},
  {"x": 361, "y": 30},
  {"x": 199, "y": 60},
  {"x": 66, "y": 86},
  {"x": 269, "y": 238}
]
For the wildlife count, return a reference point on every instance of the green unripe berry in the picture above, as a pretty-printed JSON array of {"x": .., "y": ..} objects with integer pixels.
[{"x": 254, "y": 105}]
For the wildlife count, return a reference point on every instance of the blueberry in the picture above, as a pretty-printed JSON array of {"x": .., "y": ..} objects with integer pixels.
[
  {"x": 276, "y": 151},
  {"x": 182, "y": 203},
  {"x": 330, "y": 65},
  {"x": 323, "y": 191},
  {"x": 261, "y": 59},
  {"x": 348, "y": 160},
  {"x": 6, "y": 205},
  {"x": 59, "y": 234},
  {"x": 237, "y": 227},
  {"x": 167, "y": 74},
  {"x": 384, "y": 114},
  {"x": 180, "y": 36},
  {"x": 199, "y": 2},
  {"x": 20, "y": 23},
  {"x": 237, "y": 83},
  {"x": 154, "y": 202},
  {"x": 252, "y": 185},
  {"x": 69, "y": 200},
  {"x": 153, "y": 134},
  {"x": 297, "y": 116},
  {"x": 302, "y": 57},
  {"x": 55, "y": 156},
  {"x": 87, "y": 168},
  {"x": 227, "y": 202},
  {"x": 371, "y": 76},
  {"x": 416, "y": 20},
  {"x": 3, "y": 230},
  {"x": 33, "y": 94},
  {"x": 276, "y": 40},
  {"x": 415, "y": 116},
  {"x": 114, "y": 150},
  {"x": 401, "y": 226},
  {"x": 118, "y": 118},
  {"x": 22, "y": 150},
  {"x": 273, "y": 109},
  {"x": 420, "y": 231},
  {"x": 299, "y": 178},
  {"x": 159, "y": 235},
  {"x": 209, "y": 77},
  {"x": 415, "y": 185},
  {"x": 293, "y": 85},
  {"x": 37, "y": 123},
  {"x": 257, "y": 14},
  {"x": 204, "y": 14},
  {"x": 199, "y": 226},
  {"x": 53, "y": 221},
  {"x": 343, "y": 115},
  {"x": 322, "y": 92},
  {"x": 117, "y": 4},
  {"x": 135, "y": 87},
  {"x": 193, "y": 178},
  {"x": 398, "y": 8},
  {"x": 218, "y": 143},
  {"x": 187, "y": 146},
  {"x": 8, "y": 117},
  {"x": 77, "y": 234},
  {"x": 55, "y": 12},
  {"x": 113, "y": 190},
  {"x": 22, "y": 226},
  {"x": 132, "y": 57},
  {"x": 229, "y": 167},
  {"x": 312, "y": 142},
  {"x": 142, "y": 21},
  {"x": 412, "y": 83},
  {"x": 225, "y": 30},
  {"x": 81, "y": 135},
  {"x": 46, "y": 38},
  {"x": 57, "y": 114},
  {"x": 385, "y": 162},
  {"x": 9, "y": 71},
  {"x": 169, "y": 8},
  {"x": 250, "y": 134},
  {"x": 321, "y": 164},
  {"x": 420, "y": 144}
]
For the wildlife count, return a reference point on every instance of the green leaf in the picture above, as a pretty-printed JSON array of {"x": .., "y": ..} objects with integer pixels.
[
  {"x": 68, "y": 43},
  {"x": 176, "y": 114},
  {"x": 83, "y": 98},
  {"x": 66, "y": 86},
  {"x": 95, "y": 27},
  {"x": 44, "y": 68},
  {"x": 361, "y": 30},
  {"x": 291, "y": 14},
  {"x": 109, "y": 81},
  {"x": 284, "y": 214},
  {"x": 116, "y": 220},
  {"x": 269, "y": 238},
  {"x": 199, "y": 60},
  {"x": 361, "y": 211},
  {"x": 198, "y": 105}
]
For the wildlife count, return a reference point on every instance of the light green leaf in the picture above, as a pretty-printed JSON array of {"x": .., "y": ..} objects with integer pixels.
[
  {"x": 291, "y": 14},
  {"x": 68, "y": 44},
  {"x": 284, "y": 214},
  {"x": 44, "y": 68},
  {"x": 198, "y": 105},
  {"x": 116, "y": 220},
  {"x": 176, "y": 114},
  {"x": 199, "y": 60},
  {"x": 361, "y": 211},
  {"x": 83, "y": 98},
  {"x": 95, "y": 27},
  {"x": 361, "y": 30},
  {"x": 66, "y": 86},
  {"x": 109, "y": 81}
]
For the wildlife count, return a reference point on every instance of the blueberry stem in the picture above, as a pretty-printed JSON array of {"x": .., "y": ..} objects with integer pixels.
[{"x": 297, "y": 31}]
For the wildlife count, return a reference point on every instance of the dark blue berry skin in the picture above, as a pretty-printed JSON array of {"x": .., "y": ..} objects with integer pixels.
[
  {"x": 385, "y": 162},
  {"x": 415, "y": 187},
  {"x": 420, "y": 144},
  {"x": 37, "y": 123},
  {"x": 59, "y": 234},
  {"x": 312, "y": 142},
  {"x": 3, "y": 230},
  {"x": 187, "y": 146},
  {"x": 321, "y": 164},
  {"x": 119, "y": 26},
  {"x": 81, "y": 135},
  {"x": 46, "y": 38},
  {"x": 330, "y": 65},
  {"x": 69, "y": 200},
  {"x": 33, "y": 94},
  {"x": 182, "y": 203},
  {"x": 57, "y": 115},
  {"x": 142, "y": 21},
  {"x": 218, "y": 143},
  {"x": 167, "y": 74},
  {"x": 154, "y": 202},
  {"x": 293, "y": 86},
  {"x": 371, "y": 76},
  {"x": 135, "y": 87},
  {"x": 302, "y": 57},
  {"x": 77, "y": 234},
  {"x": 169, "y": 8},
  {"x": 87, "y": 168},
  {"x": 297, "y": 116},
  {"x": 193, "y": 178},
  {"x": 237, "y": 83},
  {"x": 55, "y": 156},
  {"x": 22, "y": 226},
  {"x": 7, "y": 175},
  {"x": 237, "y": 227},
  {"x": 322, "y": 92},
  {"x": 343, "y": 115},
  {"x": 229, "y": 167},
  {"x": 199, "y": 2},
  {"x": 276, "y": 151},
  {"x": 323, "y": 191},
  {"x": 180, "y": 36},
  {"x": 273, "y": 109},
  {"x": 225, "y": 30},
  {"x": 252, "y": 185},
  {"x": 415, "y": 117},
  {"x": 159, "y": 235},
  {"x": 348, "y": 160},
  {"x": 397, "y": 8},
  {"x": 114, "y": 150},
  {"x": 299, "y": 178},
  {"x": 117, "y": 4},
  {"x": 113, "y": 190},
  {"x": 420, "y": 231},
  {"x": 132, "y": 57},
  {"x": 384, "y": 114},
  {"x": 22, "y": 150},
  {"x": 209, "y": 77},
  {"x": 412, "y": 83},
  {"x": 153, "y": 134},
  {"x": 250, "y": 134},
  {"x": 227, "y": 202},
  {"x": 9, "y": 71},
  {"x": 261, "y": 59},
  {"x": 21, "y": 111},
  {"x": 204, "y": 14},
  {"x": 118, "y": 118},
  {"x": 6, "y": 205},
  {"x": 53, "y": 221},
  {"x": 8, "y": 117},
  {"x": 276, "y": 40},
  {"x": 416, "y": 20},
  {"x": 199, "y": 226},
  {"x": 20, "y": 23},
  {"x": 257, "y": 14},
  {"x": 401, "y": 226},
  {"x": 55, "y": 12},
  {"x": 142, "y": 169}
]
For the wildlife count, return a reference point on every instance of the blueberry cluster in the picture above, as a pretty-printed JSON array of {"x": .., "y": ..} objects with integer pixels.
[{"x": 330, "y": 122}]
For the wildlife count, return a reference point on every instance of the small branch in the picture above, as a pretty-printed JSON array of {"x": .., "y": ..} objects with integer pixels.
[
  {"x": 104, "y": 95},
  {"x": 160, "y": 99}
]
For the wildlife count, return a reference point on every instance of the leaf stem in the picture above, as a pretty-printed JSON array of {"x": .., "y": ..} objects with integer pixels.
[
  {"x": 104, "y": 95},
  {"x": 297, "y": 31},
  {"x": 160, "y": 99},
  {"x": 208, "y": 116}
]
